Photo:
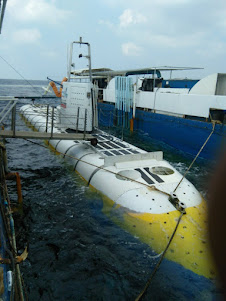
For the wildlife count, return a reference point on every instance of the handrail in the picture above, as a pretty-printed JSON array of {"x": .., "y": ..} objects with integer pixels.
[{"x": 8, "y": 111}]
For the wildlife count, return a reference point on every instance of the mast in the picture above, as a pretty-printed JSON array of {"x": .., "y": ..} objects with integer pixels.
[{"x": 94, "y": 101}]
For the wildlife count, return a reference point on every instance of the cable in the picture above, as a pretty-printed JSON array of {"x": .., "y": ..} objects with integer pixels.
[
  {"x": 141, "y": 295},
  {"x": 196, "y": 156},
  {"x": 20, "y": 74}
]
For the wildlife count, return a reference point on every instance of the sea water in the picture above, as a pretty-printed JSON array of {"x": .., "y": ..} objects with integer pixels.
[{"x": 75, "y": 251}]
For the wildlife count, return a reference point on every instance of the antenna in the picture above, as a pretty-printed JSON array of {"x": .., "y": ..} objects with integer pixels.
[{"x": 95, "y": 115}]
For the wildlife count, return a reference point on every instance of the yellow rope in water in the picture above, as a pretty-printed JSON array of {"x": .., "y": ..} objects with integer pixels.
[{"x": 141, "y": 295}]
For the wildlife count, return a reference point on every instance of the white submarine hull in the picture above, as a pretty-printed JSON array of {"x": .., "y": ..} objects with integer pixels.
[{"x": 136, "y": 188}]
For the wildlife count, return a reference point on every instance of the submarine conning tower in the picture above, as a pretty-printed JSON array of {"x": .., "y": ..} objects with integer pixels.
[
  {"x": 78, "y": 108},
  {"x": 76, "y": 111}
]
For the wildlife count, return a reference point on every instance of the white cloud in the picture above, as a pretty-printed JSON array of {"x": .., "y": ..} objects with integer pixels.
[
  {"x": 130, "y": 49},
  {"x": 148, "y": 24},
  {"x": 30, "y": 36},
  {"x": 36, "y": 11},
  {"x": 130, "y": 17}
]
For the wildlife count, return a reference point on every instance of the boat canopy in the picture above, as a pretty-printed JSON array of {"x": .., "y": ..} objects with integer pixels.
[
  {"x": 111, "y": 73},
  {"x": 128, "y": 72},
  {"x": 141, "y": 71},
  {"x": 86, "y": 71}
]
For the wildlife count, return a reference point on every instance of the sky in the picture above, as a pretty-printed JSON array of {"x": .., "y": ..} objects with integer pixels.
[{"x": 124, "y": 34}]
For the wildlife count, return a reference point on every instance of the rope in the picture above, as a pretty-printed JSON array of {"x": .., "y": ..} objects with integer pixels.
[
  {"x": 141, "y": 295},
  {"x": 196, "y": 156},
  {"x": 102, "y": 168},
  {"x": 20, "y": 74}
]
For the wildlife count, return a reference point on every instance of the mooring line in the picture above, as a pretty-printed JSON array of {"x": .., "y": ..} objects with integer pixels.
[
  {"x": 196, "y": 156},
  {"x": 141, "y": 295},
  {"x": 20, "y": 75}
]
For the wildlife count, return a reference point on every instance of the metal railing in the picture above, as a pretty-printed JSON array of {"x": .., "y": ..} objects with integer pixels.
[{"x": 51, "y": 126}]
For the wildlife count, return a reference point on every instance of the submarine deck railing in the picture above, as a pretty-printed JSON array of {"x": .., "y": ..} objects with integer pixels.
[{"x": 49, "y": 113}]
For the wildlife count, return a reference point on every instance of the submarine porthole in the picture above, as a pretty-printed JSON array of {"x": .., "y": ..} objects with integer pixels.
[
  {"x": 162, "y": 170},
  {"x": 128, "y": 175}
]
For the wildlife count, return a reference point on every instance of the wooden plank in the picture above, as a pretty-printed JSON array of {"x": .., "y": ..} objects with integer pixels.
[{"x": 46, "y": 136}]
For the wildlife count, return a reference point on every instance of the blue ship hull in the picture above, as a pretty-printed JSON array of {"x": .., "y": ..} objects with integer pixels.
[{"x": 183, "y": 134}]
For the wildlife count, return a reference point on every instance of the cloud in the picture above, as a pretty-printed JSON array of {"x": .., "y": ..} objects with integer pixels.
[
  {"x": 30, "y": 36},
  {"x": 130, "y": 17},
  {"x": 127, "y": 19},
  {"x": 36, "y": 11},
  {"x": 130, "y": 49},
  {"x": 177, "y": 25}
]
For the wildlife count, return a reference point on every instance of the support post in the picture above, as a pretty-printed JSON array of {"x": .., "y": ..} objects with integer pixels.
[
  {"x": 52, "y": 121},
  {"x": 85, "y": 123},
  {"x": 13, "y": 121},
  {"x": 77, "y": 119},
  {"x": 47, "y": 118}
]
